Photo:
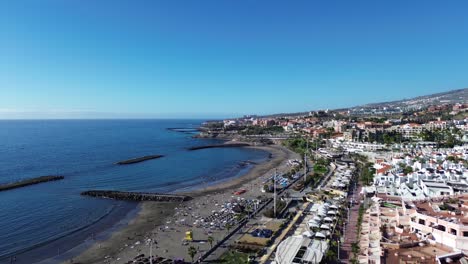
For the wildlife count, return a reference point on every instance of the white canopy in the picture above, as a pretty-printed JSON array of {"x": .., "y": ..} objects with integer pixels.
[
  {"x": 318, "y": 234},
  {"x": 324, "y": 226}
]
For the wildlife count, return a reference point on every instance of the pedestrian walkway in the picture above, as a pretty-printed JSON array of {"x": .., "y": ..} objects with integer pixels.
[
  {"x": 272, "y": 248},
  {"x": 350, "y": 235}
]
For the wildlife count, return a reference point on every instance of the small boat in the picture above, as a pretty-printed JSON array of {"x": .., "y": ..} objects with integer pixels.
[{"x": 240, "y": 192}]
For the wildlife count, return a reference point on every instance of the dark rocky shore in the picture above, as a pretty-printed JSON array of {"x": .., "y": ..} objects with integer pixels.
[
  {"x": 140, "y": 159},
  {"x": 27, "y": 182}
]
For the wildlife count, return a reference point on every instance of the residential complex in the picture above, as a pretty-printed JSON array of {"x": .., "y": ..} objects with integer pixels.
[{"x": 395, "y": 189}]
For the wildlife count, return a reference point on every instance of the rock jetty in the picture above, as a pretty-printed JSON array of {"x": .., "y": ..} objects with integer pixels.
[
  {"x": 27, "y": 182},
  {"x": 183, "y": 129},
  {"x": 137, "y": 196},
  {"x": 140, "y": 159},
  {"x": 229, "y": 145}
]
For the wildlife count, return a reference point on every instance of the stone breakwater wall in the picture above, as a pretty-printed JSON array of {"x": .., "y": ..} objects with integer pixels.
[
  {"x": 140, "y": 159},
  {"x": 228, "y": 145},
  {"x": 27, "y": 182},
  {"x": 137, "y": 196}
]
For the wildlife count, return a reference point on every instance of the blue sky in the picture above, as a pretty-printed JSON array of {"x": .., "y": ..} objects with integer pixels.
[{"x": 113, "y": 58}]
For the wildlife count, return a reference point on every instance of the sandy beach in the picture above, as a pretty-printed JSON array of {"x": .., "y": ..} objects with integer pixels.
[{"x": 166, "y": 223}]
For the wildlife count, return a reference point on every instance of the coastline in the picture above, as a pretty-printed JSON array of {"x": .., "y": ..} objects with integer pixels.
[
  {"x": 254, "y": 172},
  {"x": 160, "y": 220}
]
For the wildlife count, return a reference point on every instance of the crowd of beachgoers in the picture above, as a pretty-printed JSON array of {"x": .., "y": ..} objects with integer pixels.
[{"x": 161, "y": 227}]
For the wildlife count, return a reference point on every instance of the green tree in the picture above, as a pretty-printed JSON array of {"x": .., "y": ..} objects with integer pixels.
[
  {"x": 210, "y": 240},
  {"x": 407, "y": 170},
  {"x": 228, "y": 227},
  {"x": 192, "y": 251}
]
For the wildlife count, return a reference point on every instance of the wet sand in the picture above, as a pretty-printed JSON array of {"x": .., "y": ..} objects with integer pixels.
[{"x": 166, "y": 223}]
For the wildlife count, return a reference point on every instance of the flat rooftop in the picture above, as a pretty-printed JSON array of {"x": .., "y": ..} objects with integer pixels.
[
  {"x": 453, "y": 209},
  {"x": 423, "y": 255}
]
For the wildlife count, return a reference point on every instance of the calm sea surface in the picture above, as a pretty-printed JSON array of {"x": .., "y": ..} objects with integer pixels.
[{"x": 85, "y": 152}]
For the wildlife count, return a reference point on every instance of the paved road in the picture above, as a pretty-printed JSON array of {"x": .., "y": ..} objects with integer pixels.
[{"x": 324, "y": 181}]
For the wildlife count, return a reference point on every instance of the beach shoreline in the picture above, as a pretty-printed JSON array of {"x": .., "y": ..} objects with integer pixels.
[
  {"x": 237, "y": 182},
  {"x": 156, "y": 220}
]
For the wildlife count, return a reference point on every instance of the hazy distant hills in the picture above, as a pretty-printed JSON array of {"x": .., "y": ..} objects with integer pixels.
[{"x": 450, "y": 97}]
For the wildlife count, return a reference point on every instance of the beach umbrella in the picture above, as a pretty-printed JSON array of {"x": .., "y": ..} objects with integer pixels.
[
  {"x": 313, "y": 224},
  {"x": 308, "y": 234},
  {"x": 320, "y": 235}
]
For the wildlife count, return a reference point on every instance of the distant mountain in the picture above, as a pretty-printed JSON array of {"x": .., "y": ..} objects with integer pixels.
[{"x": 450, "y": 97}]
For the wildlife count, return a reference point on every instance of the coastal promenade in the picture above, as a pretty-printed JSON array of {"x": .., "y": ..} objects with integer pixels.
[
  {"x": 350, "y": 234},
  {"x": 271, "y": 250},
  {"x": 219, "y": 249}
]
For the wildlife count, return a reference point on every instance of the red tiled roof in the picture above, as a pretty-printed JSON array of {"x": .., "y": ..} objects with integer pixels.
[{"x": 384, "y": 169}]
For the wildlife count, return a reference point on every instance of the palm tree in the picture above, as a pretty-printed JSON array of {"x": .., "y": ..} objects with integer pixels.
[
  {"x": 228, "y": 227},
  {"x": 192, "y": 251},
  {"x": 210, "y": 240}
]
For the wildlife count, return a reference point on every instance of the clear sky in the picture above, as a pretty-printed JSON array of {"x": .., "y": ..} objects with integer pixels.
[{"x": 111, "y": 58}]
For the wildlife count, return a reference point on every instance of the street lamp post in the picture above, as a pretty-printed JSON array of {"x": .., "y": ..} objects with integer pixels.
[
  {"x": 274, "y": 194},
  {"x": 151, "y": 251},
  {"x": 305, "y": 161},
  {"x": 338, "y": 249}
]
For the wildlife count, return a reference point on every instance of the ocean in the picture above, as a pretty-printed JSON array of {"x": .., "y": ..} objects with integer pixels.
[{"x": 40, "y": 221}]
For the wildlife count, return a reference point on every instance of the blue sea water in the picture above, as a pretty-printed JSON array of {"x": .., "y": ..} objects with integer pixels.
[{"x": 85, "y": 152}]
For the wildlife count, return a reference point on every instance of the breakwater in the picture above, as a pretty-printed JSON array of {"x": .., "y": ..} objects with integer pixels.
[
  {"x": 27, "y": 182},
  {"x": 229, "y": 145},
  {"x": 140, "y": 159},
  {"x": 183, "y": 130},
  {"x": 137, "y": 196}
]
